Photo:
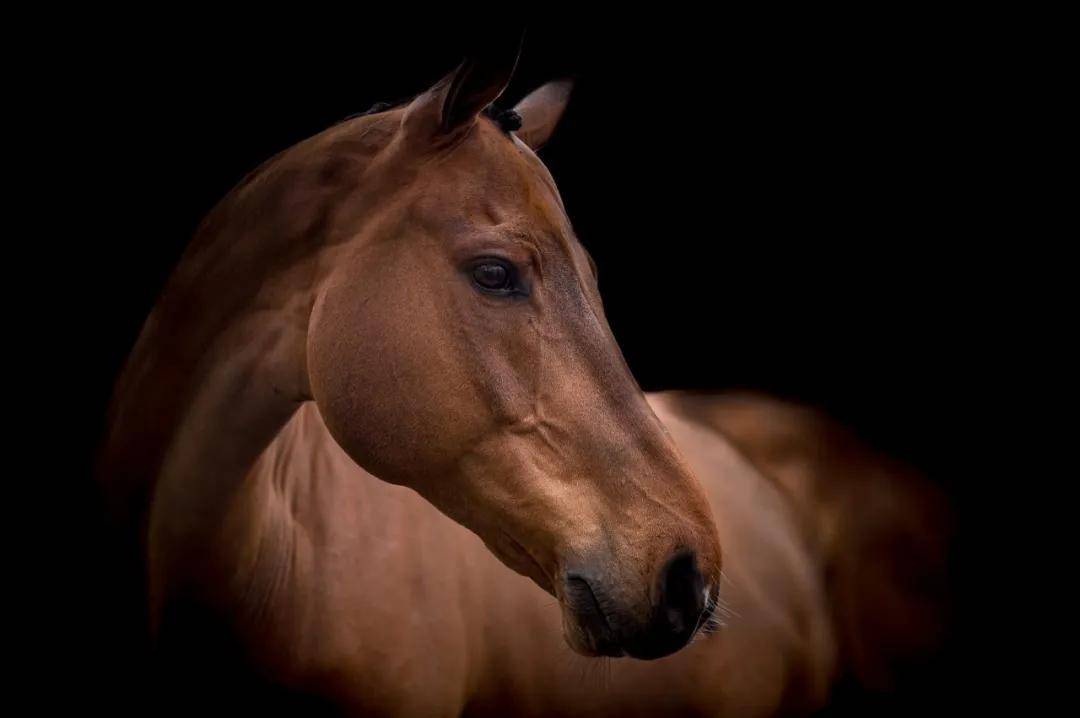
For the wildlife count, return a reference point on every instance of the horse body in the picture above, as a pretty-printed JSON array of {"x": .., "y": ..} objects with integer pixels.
[
  {"x": 404, "y": 293},
  {"x": 329, "y": 556}
]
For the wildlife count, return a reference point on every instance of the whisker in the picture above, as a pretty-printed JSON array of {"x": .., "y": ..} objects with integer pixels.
[{"x": 706, "y": 609}]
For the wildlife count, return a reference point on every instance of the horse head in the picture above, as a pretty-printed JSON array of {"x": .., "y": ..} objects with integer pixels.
[{"x": 457, "y": 344}]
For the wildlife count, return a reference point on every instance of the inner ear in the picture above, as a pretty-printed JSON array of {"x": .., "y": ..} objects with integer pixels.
[{"x": 541, "y": 111}]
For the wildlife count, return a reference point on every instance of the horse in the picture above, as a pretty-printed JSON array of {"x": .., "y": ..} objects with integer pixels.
[{"x": 386, "y": 458}]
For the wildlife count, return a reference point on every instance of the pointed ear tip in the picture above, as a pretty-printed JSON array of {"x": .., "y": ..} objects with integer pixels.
[
  {"x": 558, "y": 90},
  {"x": 564, "y": 84}
]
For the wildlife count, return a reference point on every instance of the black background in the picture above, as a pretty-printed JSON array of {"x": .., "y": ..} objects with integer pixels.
[
  {"x": 779, "y": 207},
  {"x": 792, "y": 204}
]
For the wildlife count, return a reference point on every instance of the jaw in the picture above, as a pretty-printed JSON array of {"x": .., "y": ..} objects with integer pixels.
[{"x": 518, "y": 559}]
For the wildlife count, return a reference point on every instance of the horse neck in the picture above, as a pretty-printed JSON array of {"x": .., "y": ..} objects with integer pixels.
[{"x": 219, "y": 366}]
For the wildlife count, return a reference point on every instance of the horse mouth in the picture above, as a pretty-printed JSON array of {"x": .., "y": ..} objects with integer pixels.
[
  {"x": 590, "y": 630},
  {"x": 594, "y": 625}
]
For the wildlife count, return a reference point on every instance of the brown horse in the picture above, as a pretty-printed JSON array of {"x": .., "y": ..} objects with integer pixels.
[{"x": 403, "y": 297}]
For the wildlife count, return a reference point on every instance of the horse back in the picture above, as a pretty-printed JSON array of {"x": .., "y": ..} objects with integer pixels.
[{"x": 878, "y": 527}]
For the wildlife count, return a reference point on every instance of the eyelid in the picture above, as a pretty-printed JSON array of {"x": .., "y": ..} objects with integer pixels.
[
  {"x": 511, "y": 253},
  {"x": 480, "y": 261}
]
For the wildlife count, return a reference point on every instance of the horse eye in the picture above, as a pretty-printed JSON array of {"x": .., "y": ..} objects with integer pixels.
[{"x": 492, "y": 276}]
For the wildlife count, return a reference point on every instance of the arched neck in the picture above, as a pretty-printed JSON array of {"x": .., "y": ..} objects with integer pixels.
[{"x": 220, "y": 364}]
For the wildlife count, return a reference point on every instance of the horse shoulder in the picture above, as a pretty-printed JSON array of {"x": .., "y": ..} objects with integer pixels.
[{"x": 332, "y": 588}]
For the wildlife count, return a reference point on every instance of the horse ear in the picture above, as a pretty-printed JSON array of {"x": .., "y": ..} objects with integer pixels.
[
  {"x": 540, "y": 112},
  {"x": 454, "y": 103}
]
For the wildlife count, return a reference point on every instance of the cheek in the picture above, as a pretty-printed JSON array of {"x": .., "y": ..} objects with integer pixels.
[{"x": 388, "y": 375}]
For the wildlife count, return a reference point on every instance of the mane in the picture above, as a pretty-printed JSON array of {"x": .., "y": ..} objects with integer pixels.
[
  {"x": 507, "y": 120},
  {"x": 380, "y": 107}
]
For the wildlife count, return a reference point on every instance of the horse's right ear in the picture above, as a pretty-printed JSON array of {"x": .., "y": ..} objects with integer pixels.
[{"x": 452, "y": 104}]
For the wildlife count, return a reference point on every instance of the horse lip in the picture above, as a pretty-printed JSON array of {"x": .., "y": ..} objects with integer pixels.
[
  {"x": 611, "y": 650},
  {"x": 591, "y": 616}
]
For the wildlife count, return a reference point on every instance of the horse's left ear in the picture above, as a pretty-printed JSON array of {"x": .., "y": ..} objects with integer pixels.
[
  {"x": 454, "y": 103},
  {"x": 540, "y": 112}
]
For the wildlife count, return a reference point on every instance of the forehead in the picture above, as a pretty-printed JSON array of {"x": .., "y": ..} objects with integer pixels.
[{"x": 492, "y": 179}]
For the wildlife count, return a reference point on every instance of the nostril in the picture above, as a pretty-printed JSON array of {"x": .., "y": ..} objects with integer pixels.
[
  {"x": 683, "y": 593},
  {"x": 679, "y": 607}
]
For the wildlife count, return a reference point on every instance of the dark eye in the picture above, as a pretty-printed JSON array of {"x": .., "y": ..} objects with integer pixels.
[{"x": 492, "y": 276}]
